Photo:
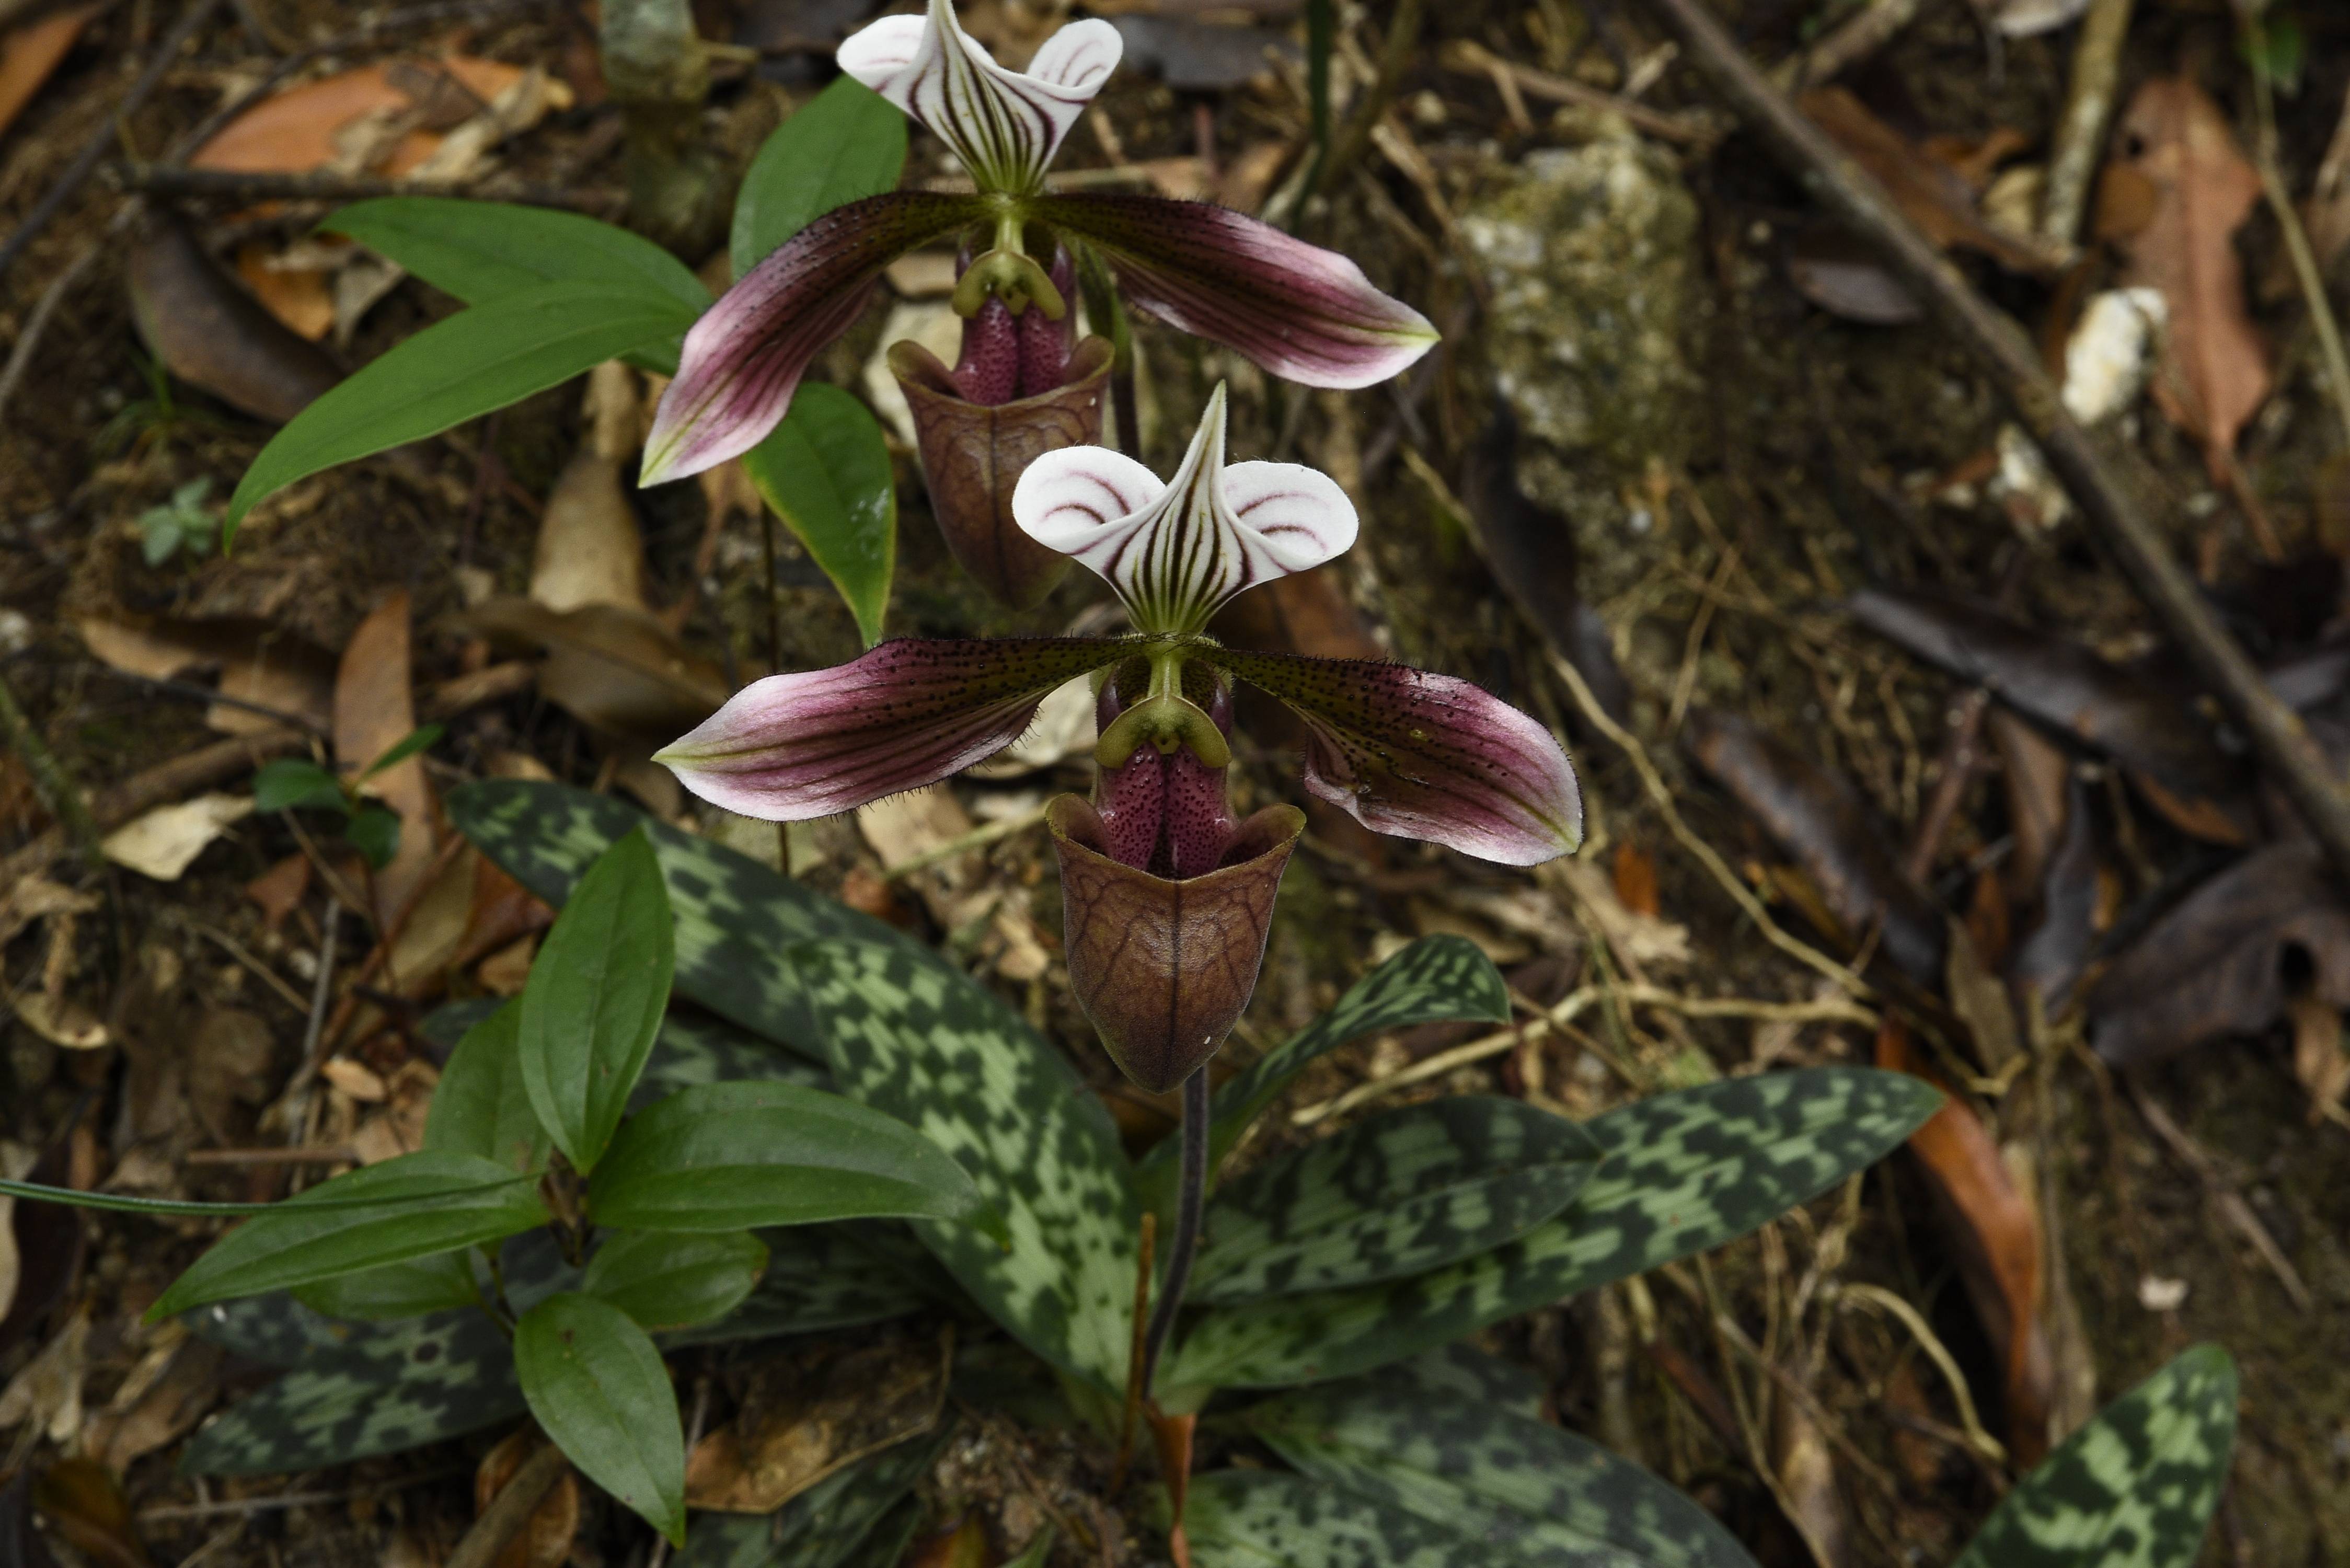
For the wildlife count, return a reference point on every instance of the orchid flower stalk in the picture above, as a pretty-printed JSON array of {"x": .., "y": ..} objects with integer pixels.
[
  {"x": 1168, "y": 899},
  {"x": 1300, "y": 311}
]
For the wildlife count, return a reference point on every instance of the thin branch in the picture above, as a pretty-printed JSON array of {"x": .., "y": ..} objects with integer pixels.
[
  {"x": 510, "y": 1510},
  {"x": 2109, "y": 507},
  {"x": 248, "y": 185},
  {"x": 20, "y": 358},
  {"x": 2088, "y": 110}
]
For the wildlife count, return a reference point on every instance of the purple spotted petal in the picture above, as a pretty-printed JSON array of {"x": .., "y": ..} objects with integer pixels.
[
  {"x": 1424, "y": 756},
  {"x": 907, "y": 713},
  {"x": 1005, "y": 125},
  {"x": 744, "y": 358},
  {"x": 1177, "y": 553},
  {"x": 1299, "y": 310}
]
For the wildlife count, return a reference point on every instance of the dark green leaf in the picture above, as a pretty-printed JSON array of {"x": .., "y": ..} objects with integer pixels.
[
  {"x": 291, "y": 784},
  {"x": 480, "y": 1107},
  {"x": 1400, "y": 1194},
  {"x": 826, "y": 1525},
  {"x": 732, "y": 1157},
  {"x": 1526, "y": 1492},
  {"x": 594, "y": 1000},
  {"x": 1255, "y": 1519},
  {"x": 2133, "y": 1489},
  {"x": 1685, "y": 1170},
  {"x": 927, "y": 1044},
  {"x": 1464, "y": 1370},
  {"x": 402, "y": 749},
  {"x": 598, "y": 1386},
  {"x": 410, "y": 1207},
  {"x": 412, "y": 1289},
  {"x": 673, "y": 1280},
  {"x": 1435, "y": 978},
  {"x": 826, "y": 470},
  {"x": 817, "y": 1277},
  {"x": 732, "y": 914},
  {"x": 844, "y": 144},
  {"x": 454, "y": 370},
  {"x": 374, "y": 831}
]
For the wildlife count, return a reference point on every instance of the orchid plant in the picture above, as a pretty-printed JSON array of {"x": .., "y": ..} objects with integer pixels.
[{"x": 1169, "y": 900}]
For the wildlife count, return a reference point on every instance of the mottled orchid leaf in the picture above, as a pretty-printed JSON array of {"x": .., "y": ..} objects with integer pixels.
[
  {"x": 826, "y": 1526},
  {"x": 1525, "y": 1491},
  {"x": 2133, "y": 1489},
  {"x": 1462, "y": 1370},
  {"x": 825, "y": 471},
  {"x": 841, "y": 146},
  {"x": 907, "y": 713},
  {"x": 481, "y": 1106},
  {"x": 1303, "y": 313},
  {"x": 928, "y": 1046},
  {"x": 1397, "y": 1195},
  {"x": 675, "y": 1282},
  {"x": 1003, "y": 125},
  {"x": 817, "y": 1277},
  {"x": 733, "y": 915},
  {"x": 1436, "y": 979},
  {"x": 1257, "y": 1519},
  {"x": 1176, "y": 553},
  {"x": 697, "y": 1047},
  {"x": 1421, "y": 755},
  {"x": 746, "y": 355},
  {"x": 393, "y": 1291},
  {"x": 1685, "y": 1170}
]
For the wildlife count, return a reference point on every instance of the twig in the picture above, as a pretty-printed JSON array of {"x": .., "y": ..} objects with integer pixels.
[
  {"x": 1878, "y": 1296},
  {"x": 2081, "y": 133},
  {"x": 1845, "y": 48},
  {"x": 1395, "y": 57},
  {"x": 196, "y": 694},
  {"x": 51, "y": 782},
  {"x": 2108, "y": 507},
  {"x": 1190, "y": 1197},
  {"x": 1472, "y": 59},
  {"x": 298, "y": 1092},
  {"x": 2222, "y": 1192},
  {"x": 20, "y": 358},
  {"x": 54, "y": 200},
  {"x": 171, "y": 1511},
  {"x": 510, "y": 1510},
  {"x": 237, "y": 951},
  {"x": 263, "y": 185},
  {"x": 2305, "y": 268},
  {"x": 1958, "y": 764},
  {"x": 1661, "y": 794},
  {"x": 246, "y": 1156},
  {"x": 962, "y": 844}
]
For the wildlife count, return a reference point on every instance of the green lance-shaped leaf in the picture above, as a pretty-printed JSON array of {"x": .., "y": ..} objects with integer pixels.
[
  {"x": 1255, "y": 1519},
  {"x": 1435, "y": 979},
  {"x": 830, "y": 1525},
  {"x": 1685, "y": 1171},
  {"x": 843, "y": 145},
  {"x": 596, "y": 1384},
  {"x": 826, "y": 470},
  {"x": 392, "y": 1291},
  {"x": 2133, "y": 1489},
  {"x": 929, "y": 1045},
  {"x": 481, "y": 1106},
  {"x": 1527, "y": 1491},
  {"x": 454, "y": 370},
  {"x": 410, "y": 1207},
  {"x": 733, "y": 915},
  {"x": 293, "y": 784},
  {"x": 732, "y": 1157},
  {"x": 1400, "y": 1194},
  {"x": 817, "y": 1277},
  {"x": 593, "y": 1002},
  {"x": 666, "y": 1280}
]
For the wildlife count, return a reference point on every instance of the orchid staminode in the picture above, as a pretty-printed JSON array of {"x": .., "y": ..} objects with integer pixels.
[
  {"x": 1169, "y": 898},
  {"x": 1301, "y": 312}
]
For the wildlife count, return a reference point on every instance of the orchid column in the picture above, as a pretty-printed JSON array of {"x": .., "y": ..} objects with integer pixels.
[{"x": 1167, "y": 901}]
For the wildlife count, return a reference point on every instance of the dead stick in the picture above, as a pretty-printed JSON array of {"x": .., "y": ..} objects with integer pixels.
[
  {"x": 510, "y": 1510},
  {"x": 243, "y": 185},
  {"x": 2088, "y": 109},
  {"x": 2107, "y": 505}
]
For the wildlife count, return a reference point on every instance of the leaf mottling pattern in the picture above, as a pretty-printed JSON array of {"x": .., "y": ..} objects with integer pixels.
[
  {"x": 1400, "y": 1194},
  {"x": 2133, "y": 1489},
  {"x": 925, "y": 1045},
  {"x": 824, "y": 1526},
  {"x": 1539, "y": 1496},
  {"x": 1255, "y": 1519},
  {"x": 1685, "y": 1171}
]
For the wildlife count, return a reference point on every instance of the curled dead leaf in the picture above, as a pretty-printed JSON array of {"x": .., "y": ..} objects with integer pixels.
[
  {"x": 815, "y": 1408},
  {"x": 210, "y": 332},
  {"x": 617, "y": 670}
]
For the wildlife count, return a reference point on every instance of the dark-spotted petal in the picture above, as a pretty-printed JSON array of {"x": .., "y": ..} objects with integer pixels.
[
  {"x": 907, "y": 713},
  {"x": 1005, "y": 125},
  {"x": 1424, "y": 756},
  {"x": 1299, "y": 310},
  {"x": 744, "y": 358}
]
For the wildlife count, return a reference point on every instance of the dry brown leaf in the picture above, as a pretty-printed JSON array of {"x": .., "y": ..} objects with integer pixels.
[
  {"x": 2175, "y": 144},
  {"x": 1930, "y": 194},
  {"x": 47, "y": 1390},
  {"x": 166, "y": 841},
  {"x": 170, "y": 1390},
  {"x": 300, "y": 297},
  {"x": 29, "y": 53},
  {"x": 278, "y": 891},
  {"x": 85, "y": 1501},
  {"x": 208, "y": 330},
  {"x": 398, "y": 1128},
  {"x": 963, "y": 1544},
  {"x": 1636, "y": 880},
  {"x": 465, "y": 150},
  {"x": 374, "y": 710},
  {"x": 545, "y": 1540},
  {"x": 589, "y": 550},
  {"x": 813, "y": 1409},
  {"x": 38, "y": 899},
  {"x": 296, "y": 131},
  {"x": 2318, "y": 1059},
  {"x": 617, "y": 669},
  {"x": 231, "y": 1064}
]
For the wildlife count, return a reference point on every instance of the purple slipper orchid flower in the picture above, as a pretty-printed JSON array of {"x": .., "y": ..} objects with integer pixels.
[
  {"x": 1300, "y": 311},
  {"x": 1168, "y": 899}
]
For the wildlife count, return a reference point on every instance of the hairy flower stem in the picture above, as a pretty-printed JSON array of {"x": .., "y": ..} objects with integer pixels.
[{"x": 1191, "y": 1196}]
